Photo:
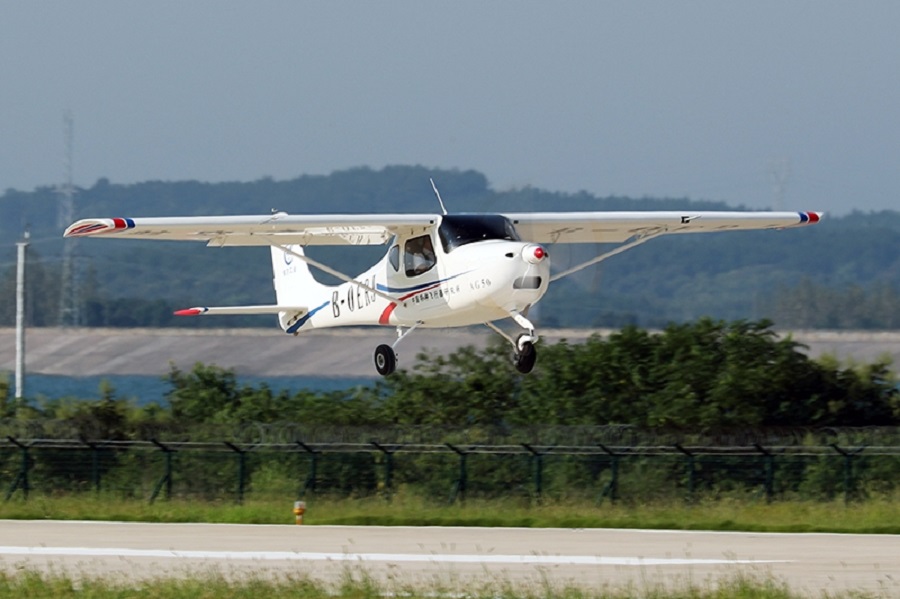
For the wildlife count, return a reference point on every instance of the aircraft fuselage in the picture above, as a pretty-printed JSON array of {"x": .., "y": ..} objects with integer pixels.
[{"x": 472, "y": 283}]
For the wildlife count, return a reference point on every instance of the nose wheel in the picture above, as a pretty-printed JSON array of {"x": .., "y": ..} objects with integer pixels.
[
  {"x": 385, "y": 360},
  {"x": 525, "y": 355}
]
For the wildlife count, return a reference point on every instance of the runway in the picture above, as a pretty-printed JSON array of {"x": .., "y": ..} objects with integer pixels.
[{"x": 455, "y": 557}]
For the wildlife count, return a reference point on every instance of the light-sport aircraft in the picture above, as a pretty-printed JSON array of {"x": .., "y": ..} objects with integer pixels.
[{"x": 441, "y": 270}]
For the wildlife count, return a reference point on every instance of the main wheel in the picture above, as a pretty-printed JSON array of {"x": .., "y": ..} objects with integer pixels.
[
  {"x": 526, "y": 357},
  {"x": 385, "y": 360}
]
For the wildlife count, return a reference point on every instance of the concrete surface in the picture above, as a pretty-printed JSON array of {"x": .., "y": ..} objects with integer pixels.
[{"x": 457, "y": 557}]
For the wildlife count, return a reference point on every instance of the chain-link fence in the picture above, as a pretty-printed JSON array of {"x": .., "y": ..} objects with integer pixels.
[{"x": 453, "y": 471}]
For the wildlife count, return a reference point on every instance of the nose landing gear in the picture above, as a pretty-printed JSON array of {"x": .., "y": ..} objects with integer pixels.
[{"x": 525, "y": 353}]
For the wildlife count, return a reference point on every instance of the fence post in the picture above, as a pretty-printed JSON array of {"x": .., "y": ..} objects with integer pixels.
[
  {"x": 459, "y": 487},
  {"x": 538, "y": 461},
  {"x": 611, "y": 489},
  {"x": 848, "y": 467},
  {"x": 769, "y": 471},
  {"x": 388, "y": 465},
  {"x": 310, "y": 484},
  {"x": 167, "y": 477},
  {"x": 242, "y": 468},
  {"x": 690, "y": 471},
  {"x": 95, "y": 463},
  {"x": 21, "y": 480}
]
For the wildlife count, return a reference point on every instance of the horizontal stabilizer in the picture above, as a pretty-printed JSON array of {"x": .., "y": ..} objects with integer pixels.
[{"x": 299, "y": 310}]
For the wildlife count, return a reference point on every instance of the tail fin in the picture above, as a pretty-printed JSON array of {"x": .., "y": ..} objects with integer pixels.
[{"x": 294, "y": 283}]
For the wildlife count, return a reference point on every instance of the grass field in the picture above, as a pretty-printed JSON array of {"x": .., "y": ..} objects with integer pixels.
[
  {"x": 876, "y": 515},
  {"x": 215, "y": 586}
]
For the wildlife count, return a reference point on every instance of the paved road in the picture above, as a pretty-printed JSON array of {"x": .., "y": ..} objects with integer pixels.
[
  {"x": 457, "y": 557},
  {"x": 336, "y": 352}
]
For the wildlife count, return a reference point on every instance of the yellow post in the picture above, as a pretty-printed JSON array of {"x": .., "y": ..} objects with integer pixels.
[{"x": 299, "y": 510}]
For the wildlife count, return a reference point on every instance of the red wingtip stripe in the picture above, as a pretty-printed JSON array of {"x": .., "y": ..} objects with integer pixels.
[
  {"x": 813, "y": 217},
  {"x": 189, "y": 312}
]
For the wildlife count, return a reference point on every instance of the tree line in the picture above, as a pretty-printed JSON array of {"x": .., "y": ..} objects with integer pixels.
[
  {"x": 802, "y": 305},
  {"x": 706, "y": 376},
  {"x": 753, "y": 275}
]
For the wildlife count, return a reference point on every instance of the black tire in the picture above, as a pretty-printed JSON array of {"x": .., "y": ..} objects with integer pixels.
[
  {"x": 526, "y": 358},
  {"x": 385, "y": 360}
]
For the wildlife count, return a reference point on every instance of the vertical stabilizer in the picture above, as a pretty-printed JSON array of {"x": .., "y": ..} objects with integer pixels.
[{"x": 294, "y": 283}]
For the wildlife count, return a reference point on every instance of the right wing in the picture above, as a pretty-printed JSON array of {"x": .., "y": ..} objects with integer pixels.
[{"x": 268, "y": 229}]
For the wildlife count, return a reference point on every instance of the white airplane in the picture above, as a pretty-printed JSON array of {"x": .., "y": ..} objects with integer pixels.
[{"x": 446, "y": 270}]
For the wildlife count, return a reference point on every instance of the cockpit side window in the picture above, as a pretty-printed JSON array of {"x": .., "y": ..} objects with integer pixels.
[
  {"x": 418, "y": 255},
  {"x": 460, "y": 229},
  {"x": 394, "y": 257}
]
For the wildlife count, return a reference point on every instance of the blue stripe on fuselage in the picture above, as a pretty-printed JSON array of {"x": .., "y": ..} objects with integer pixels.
[
  {"x": 386, "y": 289},
  {"x": 296, "y": 326}
]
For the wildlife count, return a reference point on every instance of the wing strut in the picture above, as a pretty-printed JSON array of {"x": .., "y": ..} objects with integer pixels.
[
  {"x": 638, "y": 240},
  {"x": 331, "y": 271}
]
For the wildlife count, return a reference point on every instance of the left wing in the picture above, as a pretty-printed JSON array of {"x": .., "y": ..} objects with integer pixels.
[
  {"x": 617, "y": 227},
  {"x": 268, "y": 229}
]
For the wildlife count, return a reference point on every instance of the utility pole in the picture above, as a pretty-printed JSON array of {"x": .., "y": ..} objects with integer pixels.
[{"x": 20, "y": 315}]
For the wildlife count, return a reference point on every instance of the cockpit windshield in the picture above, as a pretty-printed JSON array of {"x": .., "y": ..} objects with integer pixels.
[{"x": 459, "y": 229}]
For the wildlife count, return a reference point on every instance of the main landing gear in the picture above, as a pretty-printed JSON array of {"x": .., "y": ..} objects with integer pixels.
[
  {"x": 385, "y": 357},
  {"x": 525, "y": 354}
]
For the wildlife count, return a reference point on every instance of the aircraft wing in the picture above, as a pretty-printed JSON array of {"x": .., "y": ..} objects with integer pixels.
[
  {"x": 618, "y": 227},
  {"x": 267, "y": 229},
  {"x": 376, "y": 229}
]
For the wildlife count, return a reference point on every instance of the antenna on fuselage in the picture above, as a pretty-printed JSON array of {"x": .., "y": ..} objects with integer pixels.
[{"x": 438, "y": 194}]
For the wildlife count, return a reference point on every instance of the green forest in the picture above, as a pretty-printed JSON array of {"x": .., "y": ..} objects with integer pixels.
[
  {"x": 705, "y": 376},
  {"x": 842, "y": 273}
]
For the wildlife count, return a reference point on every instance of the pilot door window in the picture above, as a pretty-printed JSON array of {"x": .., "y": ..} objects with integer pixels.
[{"x": 418, "y": 255}]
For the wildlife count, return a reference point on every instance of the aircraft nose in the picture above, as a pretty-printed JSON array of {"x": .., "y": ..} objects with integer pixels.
[{"x": 534, "y": 253}]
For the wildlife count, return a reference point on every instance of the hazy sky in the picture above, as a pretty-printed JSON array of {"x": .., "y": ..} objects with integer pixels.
[{"x": 661, "y": 98}]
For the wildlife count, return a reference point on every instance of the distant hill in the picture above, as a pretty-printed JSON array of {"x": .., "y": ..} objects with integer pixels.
[{"x": 845, "y": 270}]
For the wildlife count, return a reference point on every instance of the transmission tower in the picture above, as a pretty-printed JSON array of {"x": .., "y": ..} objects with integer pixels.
[
  {"x": 69, "y": 300},
  {"x": 780, "y": 172}
]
